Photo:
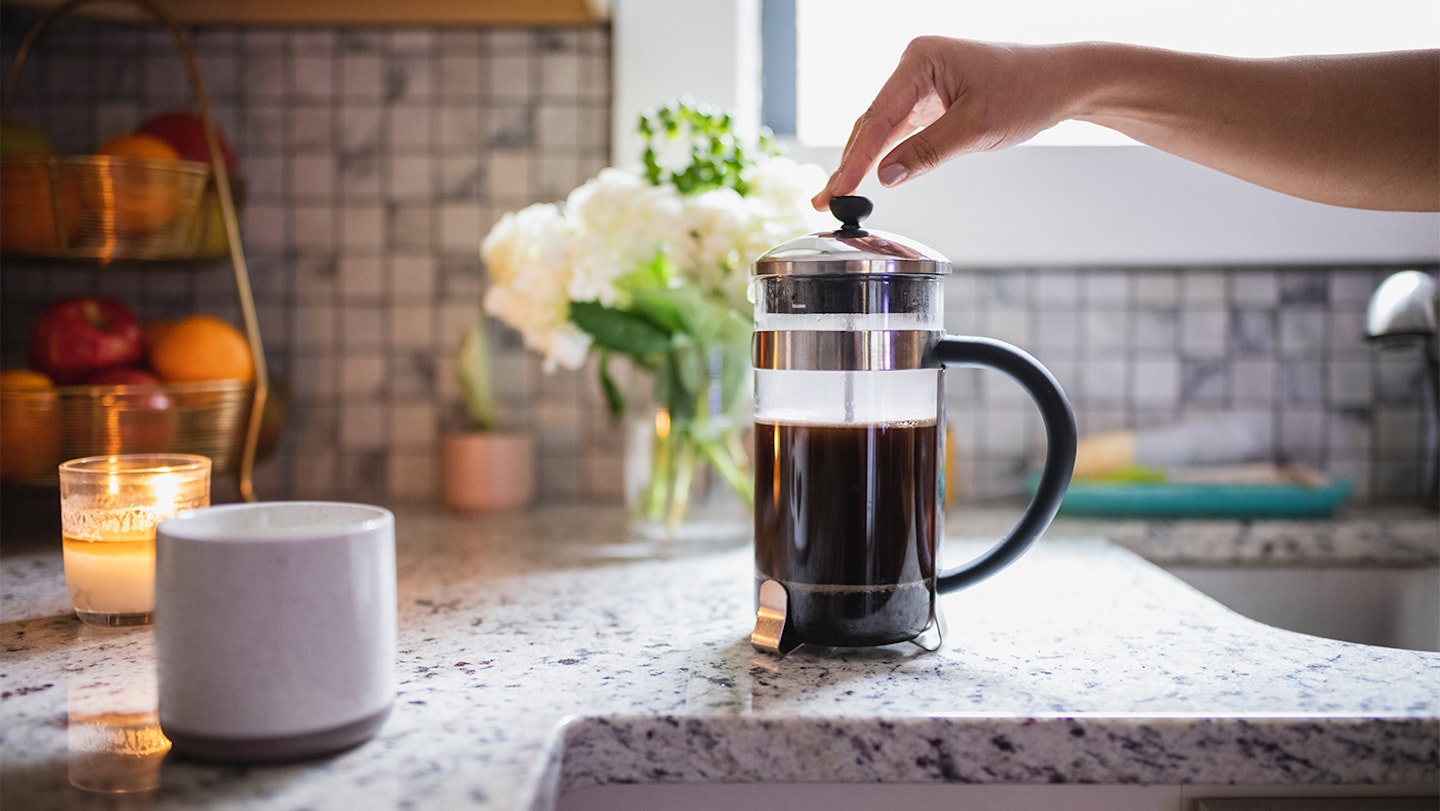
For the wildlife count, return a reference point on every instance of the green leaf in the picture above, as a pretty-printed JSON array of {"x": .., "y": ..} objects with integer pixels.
[
  {"x": 618, "y": 330},
  {"x": 472, "y": 371},
  {"x": 718, "y": 159},
  {"x": 691, "y": 370},
  {"x": 675, "y": 388},
  {"x": 661, "y": 307},
  {"x": 648, "y": 275},
  {"x": 614, "y": 398},
  {"x": 710, "y": 321}
]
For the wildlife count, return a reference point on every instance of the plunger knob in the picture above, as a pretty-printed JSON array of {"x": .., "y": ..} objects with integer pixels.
[{"x": 850, "y": 210}]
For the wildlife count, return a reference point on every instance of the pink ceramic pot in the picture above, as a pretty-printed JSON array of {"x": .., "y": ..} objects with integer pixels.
[{"x": 489, "y": 470}]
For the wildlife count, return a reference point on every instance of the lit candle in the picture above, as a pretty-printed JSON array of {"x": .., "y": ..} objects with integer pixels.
[{"x": 109, "y": 506}]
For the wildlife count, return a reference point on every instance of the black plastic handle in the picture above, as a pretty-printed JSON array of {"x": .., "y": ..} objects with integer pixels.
[{"x": 1060, "y": 436}]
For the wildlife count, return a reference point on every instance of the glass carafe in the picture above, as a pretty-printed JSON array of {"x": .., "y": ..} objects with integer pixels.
[{"x": 850, "y": 354}]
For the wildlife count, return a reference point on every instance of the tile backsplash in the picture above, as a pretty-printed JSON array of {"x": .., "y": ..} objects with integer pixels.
[{"x": 375, "y": 160}]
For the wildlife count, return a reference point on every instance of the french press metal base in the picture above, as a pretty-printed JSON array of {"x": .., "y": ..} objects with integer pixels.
[
  {"x": 772, "y": 636},
  {"x": 770, "y": 632}
]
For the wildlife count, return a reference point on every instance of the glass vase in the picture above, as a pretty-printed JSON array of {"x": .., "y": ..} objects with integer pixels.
[{"x": 688, "y": 478}]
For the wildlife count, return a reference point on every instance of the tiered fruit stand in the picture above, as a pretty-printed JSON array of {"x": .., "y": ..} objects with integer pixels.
[{"x": 100, "y": 210}]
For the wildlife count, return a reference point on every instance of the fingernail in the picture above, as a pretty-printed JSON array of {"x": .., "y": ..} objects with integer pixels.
[{"x": 892, "y": 174}]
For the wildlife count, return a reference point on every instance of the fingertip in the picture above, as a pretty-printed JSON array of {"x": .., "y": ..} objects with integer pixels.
[
  {"x": 892, "y": 175},
  {"x": 821, "y": 201}
]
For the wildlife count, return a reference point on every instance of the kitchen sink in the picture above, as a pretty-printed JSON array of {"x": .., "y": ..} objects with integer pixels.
[{"x": 1396, "y": 607}]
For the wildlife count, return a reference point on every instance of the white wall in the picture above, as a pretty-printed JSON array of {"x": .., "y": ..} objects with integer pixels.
[{"x": 665, "y": 49}]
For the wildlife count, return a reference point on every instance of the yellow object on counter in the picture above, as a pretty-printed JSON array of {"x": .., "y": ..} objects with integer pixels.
[
  {"x": 1226, "y": 439},
  {"x": 1103, "y": 455}
]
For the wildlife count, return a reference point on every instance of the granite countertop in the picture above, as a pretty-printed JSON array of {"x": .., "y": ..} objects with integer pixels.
[
  {"x": 539, "y": 656},
  {"x": 1395, "y": 535}
]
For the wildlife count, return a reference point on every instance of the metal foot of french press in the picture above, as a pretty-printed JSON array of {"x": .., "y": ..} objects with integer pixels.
[
  {"x": 933, "y": 634},
  {"x": 769, "y": 634}
]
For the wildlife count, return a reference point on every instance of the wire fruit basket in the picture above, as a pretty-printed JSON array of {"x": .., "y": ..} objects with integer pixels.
[
  {"x": 102, "y": 207},
  {"x": 111, "y": 209},
  {"x": 48, "y": 426}
]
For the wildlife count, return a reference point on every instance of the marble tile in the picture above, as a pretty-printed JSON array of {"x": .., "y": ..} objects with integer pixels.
[
  {"x": 1204, "y": 381},
  {"x": 1302, "y": 331},
  {"x": 1156, "y": 330},
  {"x": 1106, "y": 287},
  {"x": 1057, "y": 288},
  {"x": 1303, "y": 382},
  {"x": 1254, "y": 288},
  {"x": 1350, "y": 382},
  {"x": 1203, "y": 331},
  {"x": 363, "y": 376},
  {"x": 1157, "y": 290},
  {"x": 1252, "y": 332},
  {"x": 1305, "y": 289},
  {"x": 1203, "y": 288},
  {"x": 1156, "y": 383}
]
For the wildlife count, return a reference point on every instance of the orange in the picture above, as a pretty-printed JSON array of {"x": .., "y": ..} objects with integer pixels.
[
  {"x": 27, "y": 207},
  {"x": 24, "y": 379},
  {"x": 29, "y": 425},
  {"x": 137, "y": 195},
  {"x": 138, "y": 146},
  {"x": 201, "y": 347}
]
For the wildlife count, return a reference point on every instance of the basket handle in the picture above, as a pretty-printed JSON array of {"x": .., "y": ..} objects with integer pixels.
[{"x": 222, "y": 187}]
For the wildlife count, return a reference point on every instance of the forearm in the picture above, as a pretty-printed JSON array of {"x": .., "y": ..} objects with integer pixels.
[{"x": 1360, "y": 130}]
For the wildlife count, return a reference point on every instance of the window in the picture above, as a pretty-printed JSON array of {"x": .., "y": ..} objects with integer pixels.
[
  {"x": 1041, "y": 204},
  {"x": 826, "y": 100}
]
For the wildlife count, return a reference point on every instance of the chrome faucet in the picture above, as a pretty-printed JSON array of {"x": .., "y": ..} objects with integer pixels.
[{"x": 1404, "y": 311}]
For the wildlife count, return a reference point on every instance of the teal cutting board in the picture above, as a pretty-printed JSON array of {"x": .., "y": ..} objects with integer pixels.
[{"x": 1195, "y": 500}]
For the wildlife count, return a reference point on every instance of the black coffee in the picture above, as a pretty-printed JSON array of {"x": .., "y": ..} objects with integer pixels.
[{"x": 845, "y": 519}]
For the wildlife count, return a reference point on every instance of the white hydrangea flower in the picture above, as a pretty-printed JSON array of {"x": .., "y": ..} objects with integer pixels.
[
  {"x": 530, "y": 255},
  {"x": 545, "y": 256}
]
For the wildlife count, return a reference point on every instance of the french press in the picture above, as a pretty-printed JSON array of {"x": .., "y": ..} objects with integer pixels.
[{"x": 850, "y": 353}]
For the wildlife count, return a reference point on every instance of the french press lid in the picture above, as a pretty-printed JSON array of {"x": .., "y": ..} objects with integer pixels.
[{"x": 850, "y": 249}]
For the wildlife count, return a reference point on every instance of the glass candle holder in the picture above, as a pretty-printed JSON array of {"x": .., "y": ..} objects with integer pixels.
[{"x": 109, "y": 506}]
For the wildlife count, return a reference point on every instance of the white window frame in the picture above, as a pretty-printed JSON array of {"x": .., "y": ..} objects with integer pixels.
[{"x": 1035, "y": 206}]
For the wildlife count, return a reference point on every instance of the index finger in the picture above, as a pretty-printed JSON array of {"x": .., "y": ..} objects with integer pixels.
[{"x": 884, "y": 122}]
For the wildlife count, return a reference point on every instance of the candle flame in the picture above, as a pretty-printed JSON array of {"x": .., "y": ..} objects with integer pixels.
[{"x": 167, "y": 491}]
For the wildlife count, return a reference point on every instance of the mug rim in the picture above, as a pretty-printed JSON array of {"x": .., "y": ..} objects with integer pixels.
[{"x": 195, "y": 525}]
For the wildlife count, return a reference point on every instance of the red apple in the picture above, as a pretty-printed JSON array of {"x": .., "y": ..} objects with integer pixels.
[
  {"x": 76, "y": 337},
  {"x": 141, "y": 418},
  {"x": 186, "y": 132},
  {"x": 123, "y": 376}
]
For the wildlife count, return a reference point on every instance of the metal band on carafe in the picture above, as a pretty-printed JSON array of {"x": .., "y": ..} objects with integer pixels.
[{"x": 858, "y": 351}]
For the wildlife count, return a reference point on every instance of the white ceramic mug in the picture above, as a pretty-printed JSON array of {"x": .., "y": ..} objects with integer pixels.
[{"x": 275, "y": 628}]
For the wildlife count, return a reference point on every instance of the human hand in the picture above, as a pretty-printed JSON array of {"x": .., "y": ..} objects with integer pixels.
[
  {"x": 1354, "y": 130},
  {"x": 948, "y": 97}
]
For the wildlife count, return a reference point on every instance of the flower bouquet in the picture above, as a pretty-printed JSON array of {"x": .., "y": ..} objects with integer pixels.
[{"x": 652, "y": 263}]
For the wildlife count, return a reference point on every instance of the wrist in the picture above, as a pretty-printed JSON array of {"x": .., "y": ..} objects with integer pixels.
[{"x": 1101, "y": 80}]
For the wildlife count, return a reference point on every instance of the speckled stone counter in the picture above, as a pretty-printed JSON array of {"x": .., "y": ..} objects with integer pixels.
[
  {"x": 1369, "y": 536},
  {"x": 539, "y": 656}
]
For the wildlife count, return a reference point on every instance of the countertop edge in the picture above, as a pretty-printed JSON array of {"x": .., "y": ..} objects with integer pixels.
[{"x": 1164, "y": 750}]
